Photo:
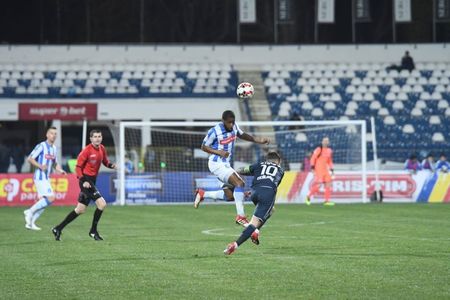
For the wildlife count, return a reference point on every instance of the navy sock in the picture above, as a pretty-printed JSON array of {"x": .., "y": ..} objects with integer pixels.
[
  {"x": 245, "y": 235},
  {"x": 97, "y": 215},
  {"x": 70, "y": 217}
]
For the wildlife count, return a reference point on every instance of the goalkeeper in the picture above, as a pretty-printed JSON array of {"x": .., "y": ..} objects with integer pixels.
[{"x": 322, "y": 166}]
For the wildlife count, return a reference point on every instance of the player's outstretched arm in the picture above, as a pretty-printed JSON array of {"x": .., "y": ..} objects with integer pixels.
[{"x": 258, "y": 140}]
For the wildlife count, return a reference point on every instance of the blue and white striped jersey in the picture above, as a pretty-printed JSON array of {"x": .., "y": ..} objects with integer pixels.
[
  {"x": 219, "y": 138},
  {"x": 44, "y": 154}
]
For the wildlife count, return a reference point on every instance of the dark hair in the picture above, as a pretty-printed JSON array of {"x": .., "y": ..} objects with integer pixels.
[
  {"x": 51, "y": 127},
  {"x": 272, "y": 155},
  {"x": 227, "y": 115},
  {"x": 443, "y": 154},
  {"x": 413, "y": 156},
  {"x": 91, "y": 133}
]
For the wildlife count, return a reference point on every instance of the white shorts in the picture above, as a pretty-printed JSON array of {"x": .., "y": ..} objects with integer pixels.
[
  {"x": 222, "y": 170},
  {"x": 43, "y": 188}
]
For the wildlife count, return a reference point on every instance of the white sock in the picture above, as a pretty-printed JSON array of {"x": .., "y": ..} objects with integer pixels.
[
  {"x": 37, "y": 215},
  {"x": 217, "y": 195},
  {"x": 43, "y": 203},
  {"x": 239, "y": 200}
]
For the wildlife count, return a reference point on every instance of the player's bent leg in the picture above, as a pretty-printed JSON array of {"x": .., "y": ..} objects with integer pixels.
[
  {"x": 245, "y": 235},
  {"x": 238, "y": 194},
  {"x": 258, "y": 223},
  {"x": 199, "y": 197},
  {"x": 38, "y": 213},
  {"x": 101, "y": 205},
  {"x": 57, "y": 230}
]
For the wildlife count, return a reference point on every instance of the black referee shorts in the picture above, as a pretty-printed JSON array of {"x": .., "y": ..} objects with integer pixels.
[{"x": 88, "y": 194}]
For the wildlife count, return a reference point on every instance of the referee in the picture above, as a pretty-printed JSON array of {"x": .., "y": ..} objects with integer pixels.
[{"x": 88, "y": 164}]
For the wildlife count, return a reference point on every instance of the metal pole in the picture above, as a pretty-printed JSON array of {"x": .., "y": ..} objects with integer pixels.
[
  {"x": 238, "y": 22},
  {"x": 353, "y": 23},
  {"x": 375, "y": 159},
  {"x": 394, "y": 27},
  {"x": 84, "y": 133},
  {"x": 434, "y": 21},
  {"x": 275, "y": 21},
  {"x": 316, "y": 25}
]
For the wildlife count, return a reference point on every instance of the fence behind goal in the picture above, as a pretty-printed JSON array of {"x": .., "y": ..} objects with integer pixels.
[{"x": 161, "y": 162}]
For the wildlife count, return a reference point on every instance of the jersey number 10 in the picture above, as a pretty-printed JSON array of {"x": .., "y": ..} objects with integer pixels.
[{"x": 269, "y": 170}]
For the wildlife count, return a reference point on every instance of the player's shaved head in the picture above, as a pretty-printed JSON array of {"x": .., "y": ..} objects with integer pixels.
[
  {"x": 228, "y": 119},
  {"x": 273, "y": 157},
  {"x": 228, "y": 114},
  {"x": 51, "y": 134}
]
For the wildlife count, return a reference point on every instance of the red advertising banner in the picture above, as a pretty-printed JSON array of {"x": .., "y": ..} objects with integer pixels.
[
  {"x": 19, "y": 189},
  {"x": 57, "y": 111}
]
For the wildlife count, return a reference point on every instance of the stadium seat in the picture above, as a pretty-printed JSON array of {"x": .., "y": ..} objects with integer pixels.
[
  {"x": 383, "y": 112},
  {"x": 408, "y": 129},
  {"x": 301, "y": 137},
  {"x": 389, "y": 120},
  {"x": 438, "y": 137},
  {"x": 375, "y": 105},
  {"x": 416, "y": 112}
]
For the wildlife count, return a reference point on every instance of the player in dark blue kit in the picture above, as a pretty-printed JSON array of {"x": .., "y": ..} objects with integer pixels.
[{"x": 267, "y": 176}]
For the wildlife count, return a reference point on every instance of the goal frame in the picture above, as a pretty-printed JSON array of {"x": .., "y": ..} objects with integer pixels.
[{"x": 150, "y": 124}]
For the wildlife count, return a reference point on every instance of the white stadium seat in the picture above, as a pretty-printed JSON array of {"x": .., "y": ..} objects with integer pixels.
[
  {"x": 389, "y": 120},
  {"x": 416, "y": 112},
  {"x": 438, "y": 137},
  {"x": 434, "y": 120},
  {"x": 408, "y": 128}
]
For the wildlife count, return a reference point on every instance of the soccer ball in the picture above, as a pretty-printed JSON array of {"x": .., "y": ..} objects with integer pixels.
[{"x": 245, "y": 90}]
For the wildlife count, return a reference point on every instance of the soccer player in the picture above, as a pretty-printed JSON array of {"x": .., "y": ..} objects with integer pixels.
[
  {"x": 219, "y": 143},
  {"x": 88, "y": 164},
  {"x": 321, "y": 166},
  {"x": 267, "y": 176},
  {"x": 43, "y": 158}
]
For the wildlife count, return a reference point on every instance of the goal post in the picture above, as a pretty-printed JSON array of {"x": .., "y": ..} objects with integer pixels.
[{"x": 161, "y": 162}]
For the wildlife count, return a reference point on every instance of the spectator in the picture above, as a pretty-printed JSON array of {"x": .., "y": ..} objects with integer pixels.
[
  {"x": 428, "y": 163},
  {"x": 4, "y": 159},
  {"x": 306, "y": 166},
  {"x": 18, "y": 156},
  {"x": 443, "y": 165},
  {"x": 407, "y": 63},
  {"x": 129, "y": 166},
  {"x": 412, "y": 165}
]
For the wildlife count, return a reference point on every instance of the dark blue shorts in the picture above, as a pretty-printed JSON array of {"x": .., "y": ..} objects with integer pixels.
[{"x": 264, "y": 199}]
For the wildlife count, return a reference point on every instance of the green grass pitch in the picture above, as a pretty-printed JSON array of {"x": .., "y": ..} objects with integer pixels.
[{"x": 389, "y": 251}]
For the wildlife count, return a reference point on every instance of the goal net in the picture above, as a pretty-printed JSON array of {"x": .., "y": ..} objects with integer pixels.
[{"x": 161, "y": 162}]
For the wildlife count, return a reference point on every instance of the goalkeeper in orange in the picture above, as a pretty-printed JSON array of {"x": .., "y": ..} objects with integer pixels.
[{"x": 322, "y": 166}]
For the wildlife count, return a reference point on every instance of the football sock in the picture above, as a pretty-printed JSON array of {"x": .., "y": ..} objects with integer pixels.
[
  {"x": 69, "y": 218},
  {"x": 37, "y": 215},
  {"x": 41, "y": 204},
  {"x": 97, "y": 215},
  {"x": 313, "y": 190},
  {"x": 239, "y": 200},
  {"x": 327, "y": 193},
  {"x": 219, "y": 195},
  {"x": 245, "y": 235}
]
